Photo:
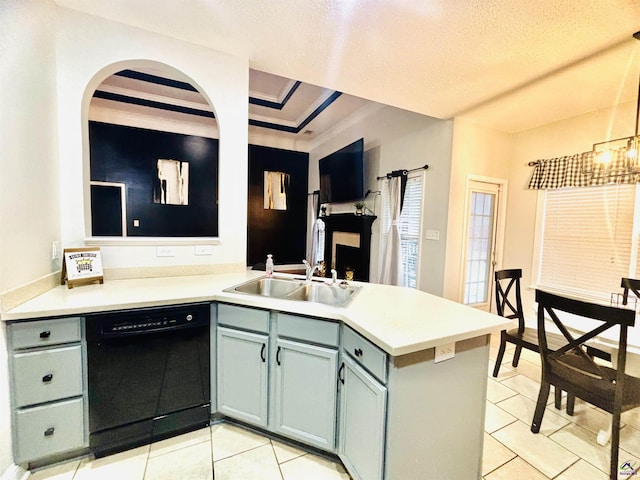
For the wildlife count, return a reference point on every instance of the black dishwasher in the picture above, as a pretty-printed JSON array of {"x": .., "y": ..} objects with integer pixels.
[{"x": 148, "y": 375}]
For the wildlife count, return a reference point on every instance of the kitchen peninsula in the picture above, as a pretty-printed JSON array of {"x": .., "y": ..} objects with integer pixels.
[{"x": 380, "y": 348}]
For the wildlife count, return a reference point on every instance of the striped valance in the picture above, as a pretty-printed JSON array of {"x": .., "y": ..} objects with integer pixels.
[{"x": 582, "y": 170}]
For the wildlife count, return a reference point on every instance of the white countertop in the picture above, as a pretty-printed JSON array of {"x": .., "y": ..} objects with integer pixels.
[{"x": 399, "y": 320}]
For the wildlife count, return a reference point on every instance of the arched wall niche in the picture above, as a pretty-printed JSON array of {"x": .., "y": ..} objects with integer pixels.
[{"x": 150, "y": 156}]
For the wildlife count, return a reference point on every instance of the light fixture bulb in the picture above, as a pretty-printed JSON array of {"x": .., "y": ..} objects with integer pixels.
[{"x": 604, "y": 157}]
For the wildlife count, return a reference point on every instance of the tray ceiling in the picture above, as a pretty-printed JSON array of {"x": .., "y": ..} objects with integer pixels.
[{"x": 508, "y": 64}]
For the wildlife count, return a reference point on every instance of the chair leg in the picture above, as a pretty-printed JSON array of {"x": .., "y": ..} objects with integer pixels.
[
  {"x": 503, "y": 346},
  {"x": 558, "y": 397},
  {"x": 571, "y": 403},
  {"x": 516, "y": 355},
  {"x": 615, "y": 444},
  {"x": 542, "y": 401}
]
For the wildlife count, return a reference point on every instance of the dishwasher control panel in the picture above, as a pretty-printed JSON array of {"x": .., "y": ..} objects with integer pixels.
[{"x": 148, "y": 320}]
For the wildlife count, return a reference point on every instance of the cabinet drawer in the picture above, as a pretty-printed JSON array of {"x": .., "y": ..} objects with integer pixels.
[
  {"x": 53, "y": 428},
  {"x": 244, "y": 318},
  {"x": 310, "y": 329},
  {"x": 45, "y": 375},
  {"x": 44, "y": 332},
  {"x": 365, "y": 353}
]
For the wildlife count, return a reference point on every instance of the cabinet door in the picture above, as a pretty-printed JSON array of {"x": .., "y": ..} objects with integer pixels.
[
  {"x": 363, "y": 403},
  {"x": 242, "y": 375},
  {"x": 305, "y": 393}
]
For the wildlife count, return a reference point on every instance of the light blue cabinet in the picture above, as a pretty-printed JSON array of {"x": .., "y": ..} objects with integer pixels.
[
  {"x": 47, "y": 388},
  {"x": 363, "y": 402},
  {"x": 242, "y": 370},
  {"x": 305, "y": 392}
]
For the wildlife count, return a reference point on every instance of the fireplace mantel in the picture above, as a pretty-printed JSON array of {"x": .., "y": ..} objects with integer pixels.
[{"x": 350, "y": 223}]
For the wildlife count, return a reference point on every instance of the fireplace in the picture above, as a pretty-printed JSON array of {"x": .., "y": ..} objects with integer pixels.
[{"x": 348, "y": 244}]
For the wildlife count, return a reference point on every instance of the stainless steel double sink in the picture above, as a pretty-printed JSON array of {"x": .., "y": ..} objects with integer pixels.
[{"x": 334, "y": 294}]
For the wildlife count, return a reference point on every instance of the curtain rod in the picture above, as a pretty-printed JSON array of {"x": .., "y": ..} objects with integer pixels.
[{"x": 397, "y": 173}]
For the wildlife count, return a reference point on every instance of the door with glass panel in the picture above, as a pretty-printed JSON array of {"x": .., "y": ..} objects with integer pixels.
[{"x": 483, "y": 201}]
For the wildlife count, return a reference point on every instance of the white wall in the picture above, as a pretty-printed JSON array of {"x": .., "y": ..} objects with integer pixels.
[
  {"x": 107, "y": 47},
  {"x": 396, "y": 139},
  {"x": 568, "y": 137},
  {"x": 52, "y": 60},
  {"x": 29, "y": 214},
  {"x": 476, "y": 151}
]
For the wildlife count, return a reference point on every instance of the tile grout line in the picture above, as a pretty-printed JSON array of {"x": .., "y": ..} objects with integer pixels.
[{"x": 273, "y": 449}]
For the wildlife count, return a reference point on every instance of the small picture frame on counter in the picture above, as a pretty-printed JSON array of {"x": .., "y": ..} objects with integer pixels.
[{"x": 81, "y": 266}]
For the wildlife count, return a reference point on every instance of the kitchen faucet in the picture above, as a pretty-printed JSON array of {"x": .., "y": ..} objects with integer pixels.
[{"x": 309, "y": 270}]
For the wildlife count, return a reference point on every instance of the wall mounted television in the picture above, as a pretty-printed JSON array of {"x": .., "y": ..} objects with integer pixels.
[{"x": 342, "y": 174}]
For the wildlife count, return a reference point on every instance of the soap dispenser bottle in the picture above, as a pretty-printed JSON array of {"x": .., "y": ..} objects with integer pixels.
[{"x": 269, "y": 266}]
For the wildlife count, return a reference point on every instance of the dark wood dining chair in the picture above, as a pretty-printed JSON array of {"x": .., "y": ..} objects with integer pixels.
[
  {"x": 629, "y": 284},
  {"x": 509, "y": 305},
  {"x": 571, "y": 368}
]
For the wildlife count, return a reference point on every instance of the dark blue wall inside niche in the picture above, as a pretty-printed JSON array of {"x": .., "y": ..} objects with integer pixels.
[
  {"x": 129, "y": 155},
  {"x": 282, "y": 233}
]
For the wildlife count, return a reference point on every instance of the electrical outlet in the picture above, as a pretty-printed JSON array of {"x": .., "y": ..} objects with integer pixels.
[
  {"x": 165, "y": 252},
  {"x": 444, "y": 352},
  {"x": 203, "y": 249}
]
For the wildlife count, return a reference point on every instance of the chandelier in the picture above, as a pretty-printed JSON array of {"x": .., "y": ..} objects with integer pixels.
[{"x": 617, "y": 157}]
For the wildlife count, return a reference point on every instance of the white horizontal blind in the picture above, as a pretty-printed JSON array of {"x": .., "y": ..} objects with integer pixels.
[
  {"x": 587, "y": 239},
  {"x": 409, "y": 226}
]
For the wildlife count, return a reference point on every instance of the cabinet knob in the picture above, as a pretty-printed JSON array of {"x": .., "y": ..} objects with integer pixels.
[
  {"x": 47, "y": 378},
  {"x": 49, "y": 431},
  {"x": 357, "y": 352},
  {"x": 45, "y": 334}
]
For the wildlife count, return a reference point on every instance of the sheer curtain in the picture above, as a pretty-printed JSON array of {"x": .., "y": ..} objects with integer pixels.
[
  {"x": 315, "y": 245},
  {"x": 391, "y": 270}
]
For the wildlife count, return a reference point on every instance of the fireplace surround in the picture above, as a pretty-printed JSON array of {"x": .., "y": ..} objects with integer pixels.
[{"x": 348, "y": 244}]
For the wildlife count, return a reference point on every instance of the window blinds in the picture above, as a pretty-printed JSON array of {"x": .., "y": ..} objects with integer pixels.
[{"x": 588, "y": 240}]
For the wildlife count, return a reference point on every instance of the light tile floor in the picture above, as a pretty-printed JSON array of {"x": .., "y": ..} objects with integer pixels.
[{"x": 565, "y": 448}]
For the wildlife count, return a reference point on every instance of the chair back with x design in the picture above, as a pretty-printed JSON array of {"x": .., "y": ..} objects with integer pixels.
[
  {"x": 506, "y": 280},
  {"x": 570, "y": 367}
]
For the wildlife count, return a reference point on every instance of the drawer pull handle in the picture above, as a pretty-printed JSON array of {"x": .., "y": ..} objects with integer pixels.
[
  {"x": 262, "y": 355},
  {"x": 45, "y": 334},
  {"x": 340, "y": 377},
  {"x": 278, "y": 356},
  {"x": 47, "y": 378},
  {"x": 358, "y": 352},
  {"x": 49, "y": 431}
]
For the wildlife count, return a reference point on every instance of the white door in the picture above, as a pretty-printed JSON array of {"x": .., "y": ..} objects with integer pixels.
[{"x": 484, "y": 221}]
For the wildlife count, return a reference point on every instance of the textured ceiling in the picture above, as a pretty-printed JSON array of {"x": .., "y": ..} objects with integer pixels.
[{"x": 510, "y": 65}]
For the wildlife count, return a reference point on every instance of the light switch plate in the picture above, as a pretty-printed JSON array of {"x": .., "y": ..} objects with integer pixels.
[
  {"x": 444, "y": 352},
  {"x": 432, "y": 235},
  {"x": 55, "y": 250}
]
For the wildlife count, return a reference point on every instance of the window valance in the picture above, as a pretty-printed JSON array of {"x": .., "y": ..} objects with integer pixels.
[{"x": 582, "y": 170}]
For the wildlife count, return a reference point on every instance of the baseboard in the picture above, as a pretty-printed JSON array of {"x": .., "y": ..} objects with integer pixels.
[{"x": 15, "y": 472}]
